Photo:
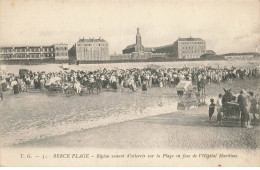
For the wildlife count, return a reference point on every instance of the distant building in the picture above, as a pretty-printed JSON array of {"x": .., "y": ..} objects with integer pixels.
[
  {"x": 137, "y": 56},
  {"x": 61, "y": 51},
  {"x": 57, "y": 51},
  {"x": 137, "y": 51},
  {"x": 89, "y": 50},
  {"x": 207, "y": 54},
  {"x": 233, "y": 56},
  {"x": 184, "y": 48},
  {"x": 210, "y": 52},
  {"x": 137, "y": 47}
]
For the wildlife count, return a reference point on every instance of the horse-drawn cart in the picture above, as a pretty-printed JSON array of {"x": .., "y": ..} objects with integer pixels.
[
  {"x": 187, "y": 95},
  {"x": 185, "y": 88},
  {"x": 54, "y": 86},
  {"x": 231, "y": 113}
]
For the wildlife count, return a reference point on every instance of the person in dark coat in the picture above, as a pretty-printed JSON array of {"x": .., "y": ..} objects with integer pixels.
[
  {"x": 15, "y": 86},
  {"x": 242, "y": 106},
  {"x": 144, "y": 83},
  {"x": 144, "y": 86}
]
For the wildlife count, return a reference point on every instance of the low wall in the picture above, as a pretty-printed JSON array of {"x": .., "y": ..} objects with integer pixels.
[{"x": 38, "y": 62}]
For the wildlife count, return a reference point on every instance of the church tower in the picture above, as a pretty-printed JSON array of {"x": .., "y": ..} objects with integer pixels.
[{"x": 138, "y": 47}]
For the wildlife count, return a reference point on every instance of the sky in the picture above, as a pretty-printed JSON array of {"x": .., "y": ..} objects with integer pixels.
[{"x": 225, "y": 25}]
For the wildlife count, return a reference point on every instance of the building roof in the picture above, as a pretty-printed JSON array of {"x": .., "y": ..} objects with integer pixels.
[
  {"x": 29, "y": 46},
  {"x": 60, "y": 44},
  {"x": 163, "y": 46},
  {"x": 148, "y": 49},
  {"x": 190, "y": 39},
  {"x": 91, "y": 40},
  {"x": 130, "y": 46}
]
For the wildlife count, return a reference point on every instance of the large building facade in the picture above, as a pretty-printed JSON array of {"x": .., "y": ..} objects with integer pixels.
[
  {"x": 90, "y": 50},
  {"x": 54, "y": 52},
  {"x": 61, "y": 51},
  {"x": 184, "y": 48}
]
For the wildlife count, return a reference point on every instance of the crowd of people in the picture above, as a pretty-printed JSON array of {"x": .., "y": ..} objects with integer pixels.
[
  {"x": 134, "y": 78},
  {"x": 116, "y": 78}
]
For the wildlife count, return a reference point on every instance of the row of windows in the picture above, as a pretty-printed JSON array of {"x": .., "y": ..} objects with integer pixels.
[
  {"x": 61, "y": 54},
  {"x": 90, "y": 54},
  {"x": 92, "y": 45},
  {"x": 27, "y": 56},
  {"x": 192, "y": 42},
  {"x": 6, "y": 50},
  {"x": 192, "y": 47},
  {"x": 61, "y": 48},
  {"x": 90, "y": 49}
]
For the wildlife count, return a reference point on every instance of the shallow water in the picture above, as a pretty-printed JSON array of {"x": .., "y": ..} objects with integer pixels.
[{"x": 36, "y": 115}]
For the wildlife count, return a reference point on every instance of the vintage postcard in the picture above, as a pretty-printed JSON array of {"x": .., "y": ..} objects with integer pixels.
[{"x": 129, "y": 83}]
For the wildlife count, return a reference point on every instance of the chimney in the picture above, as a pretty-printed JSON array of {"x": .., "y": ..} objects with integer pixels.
[
  {"x": 99, "y": 38},
  {"x": 89, "y": 37},
  {"x": 83, "y": 38}
]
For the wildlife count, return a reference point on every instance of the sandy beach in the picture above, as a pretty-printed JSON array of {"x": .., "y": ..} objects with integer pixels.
[{"x": 188, "y": 129}]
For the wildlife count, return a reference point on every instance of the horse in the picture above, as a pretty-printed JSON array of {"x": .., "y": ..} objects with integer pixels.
[{"x": 227, "y": 97}]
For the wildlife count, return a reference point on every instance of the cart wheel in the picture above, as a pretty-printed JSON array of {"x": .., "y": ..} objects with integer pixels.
[
  {"x": 72, "y": 92},
  {"x": 81, "y": 93},
  {"x": 67, "y": 93}
]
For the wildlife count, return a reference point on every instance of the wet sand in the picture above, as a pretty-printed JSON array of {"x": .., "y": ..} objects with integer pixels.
[{"x": 40, "y": 116}]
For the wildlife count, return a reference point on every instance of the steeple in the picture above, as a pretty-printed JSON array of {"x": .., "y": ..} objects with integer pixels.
[
  {"x": 138, "y": 46},
  {"x": 138, "y": 38},
  {"x": 138, "y": 33}
]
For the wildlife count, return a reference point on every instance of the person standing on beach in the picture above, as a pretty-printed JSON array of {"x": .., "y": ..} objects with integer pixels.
[
  {"x": 253, "y": 104},
  {"x": 211, "y": 108},
  {"x": 219, "y": 109}
]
